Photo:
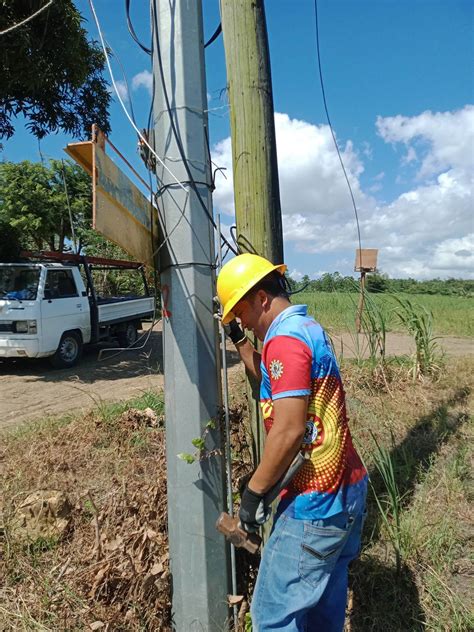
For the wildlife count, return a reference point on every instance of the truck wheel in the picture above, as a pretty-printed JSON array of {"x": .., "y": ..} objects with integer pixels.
[
  {"x": 69, "y": 351},
  {"x": 128, "y": 336}
]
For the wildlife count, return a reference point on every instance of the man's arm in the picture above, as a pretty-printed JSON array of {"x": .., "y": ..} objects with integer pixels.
[
  {"x": 250, "y": 357},
  {"x": 282, "y": 442}
]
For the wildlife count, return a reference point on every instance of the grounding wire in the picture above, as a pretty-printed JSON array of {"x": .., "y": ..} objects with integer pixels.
[
  {"x": 330, "y": 125},
  {"x": 33, "y": 15},
  {"x": 175, "y": 131}
]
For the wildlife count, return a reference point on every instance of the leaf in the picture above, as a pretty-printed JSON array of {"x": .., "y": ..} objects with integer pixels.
[
  {"x": 198, "y": 443},
  {"x": 97, "y": 625},
  {"x": 235, "y": 600},
  {"x": 157, "y": 568},
  {"x": 184, "y": 456},
  {"x": 211, "y": 424}
]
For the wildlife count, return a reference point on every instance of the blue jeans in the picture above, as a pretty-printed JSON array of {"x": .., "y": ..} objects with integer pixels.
[{"x": 302, "y": 580}]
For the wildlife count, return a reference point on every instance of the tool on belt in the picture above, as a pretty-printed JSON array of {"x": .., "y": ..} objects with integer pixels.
[{"x": 231, "y": 527}]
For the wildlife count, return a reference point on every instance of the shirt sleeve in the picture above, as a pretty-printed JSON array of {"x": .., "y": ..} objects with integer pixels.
[{"x": 288, "y": 363}]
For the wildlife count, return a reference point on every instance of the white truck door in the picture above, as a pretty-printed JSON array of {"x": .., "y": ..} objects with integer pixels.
[{"x": 63, "y": 308}]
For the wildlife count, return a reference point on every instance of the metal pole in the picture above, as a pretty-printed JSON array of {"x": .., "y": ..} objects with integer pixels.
[
  {"x": 198, "y": 554},
  {"x": 228, "y": 451}
]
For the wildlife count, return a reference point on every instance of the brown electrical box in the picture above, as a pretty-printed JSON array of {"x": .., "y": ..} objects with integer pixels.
[{"x": 366, "y": 260}]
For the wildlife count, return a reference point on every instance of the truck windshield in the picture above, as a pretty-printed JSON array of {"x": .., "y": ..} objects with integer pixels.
[{"x": 18, "y": 282}]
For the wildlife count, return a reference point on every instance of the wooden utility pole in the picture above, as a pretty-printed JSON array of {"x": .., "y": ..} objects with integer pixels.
[{"x": 254, "y": 155}]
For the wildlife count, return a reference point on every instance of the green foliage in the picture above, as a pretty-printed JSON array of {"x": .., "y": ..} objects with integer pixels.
[
  {"x": 248, "y": 622},
  {"x": 374, "y": 325},
  {"x": 390, "y": 503},
  {"x": 185, "y": 456},
  {"x": 33, "y": 202},
  {"x": 336, "y": 311},
  {"x": 51, "y": 73},
  {"x": 419, "y": 323},
  {"x": 377, "y": 283},
  {"x": 10, "y": 246},
  {"x": 381, "y": 283},
  {"x": 200, "y": 444}
]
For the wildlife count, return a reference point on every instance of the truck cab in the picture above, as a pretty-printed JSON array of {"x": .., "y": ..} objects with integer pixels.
[
  {"x": 36, "y": 302},
  {"x": 47, "y": 309}
]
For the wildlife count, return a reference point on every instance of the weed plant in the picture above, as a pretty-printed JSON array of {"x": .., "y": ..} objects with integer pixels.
[
  {"x": 419, "y": 324},
  {"x": 390, "y": 503}
]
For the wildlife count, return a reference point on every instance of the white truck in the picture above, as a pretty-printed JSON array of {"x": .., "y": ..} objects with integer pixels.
[{"x": 49, "y": 309}]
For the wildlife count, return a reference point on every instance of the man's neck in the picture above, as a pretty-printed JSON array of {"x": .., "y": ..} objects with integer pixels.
[{"x": 279, "y": 304}]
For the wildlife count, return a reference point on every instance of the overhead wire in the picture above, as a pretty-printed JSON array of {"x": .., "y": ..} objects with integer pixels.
[
  {"x": 331, "y": 127},
  {"x": 131, "y": 30},
  {"x": 216, "y": 34},
  {"x": 144, "y": 140},
  {"x": 175, "y": 131},
  {"x": 31, "y": 17}
]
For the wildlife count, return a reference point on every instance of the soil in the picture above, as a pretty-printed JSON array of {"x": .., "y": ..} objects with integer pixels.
[{"x": 31, "y": 389}]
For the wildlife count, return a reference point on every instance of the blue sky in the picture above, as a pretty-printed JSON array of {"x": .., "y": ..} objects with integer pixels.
[{"x": 398, "y": 81}]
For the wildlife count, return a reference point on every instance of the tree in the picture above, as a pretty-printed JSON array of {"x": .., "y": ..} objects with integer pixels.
[
  {"x": 10, "y": 246},
  {"x": 377, "y": 283},
  {"x": 33, "y": 201},
  {"x": 51, "y": 74}
]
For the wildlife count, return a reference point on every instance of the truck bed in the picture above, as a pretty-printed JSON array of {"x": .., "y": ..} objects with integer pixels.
[{"x": 122, "y": 308}]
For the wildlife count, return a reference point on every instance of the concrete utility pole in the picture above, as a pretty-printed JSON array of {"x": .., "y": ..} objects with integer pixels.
[
  {"x": 254, "y": 156},
  {"x": 198, "y": 558}
]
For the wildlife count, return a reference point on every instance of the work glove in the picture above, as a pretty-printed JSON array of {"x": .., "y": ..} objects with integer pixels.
[
  {"x": 253, "y": 512},
  {"x": 234, "y": 331}
]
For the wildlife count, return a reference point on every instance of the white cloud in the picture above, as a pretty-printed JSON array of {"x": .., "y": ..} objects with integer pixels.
[
  {"x": 296, "y": 275},
  {"x": 447, "y": 137},
  {"x": 122, "y": 90},
  {"x": 421, "y": 233},
  {"x": 143, "y": 79}
]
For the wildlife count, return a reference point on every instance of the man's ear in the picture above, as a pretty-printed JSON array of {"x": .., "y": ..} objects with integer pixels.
[{"x": 263, "y": 299}]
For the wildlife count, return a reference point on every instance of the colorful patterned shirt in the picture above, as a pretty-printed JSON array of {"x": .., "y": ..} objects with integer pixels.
[{"x": 297, "y": 359}]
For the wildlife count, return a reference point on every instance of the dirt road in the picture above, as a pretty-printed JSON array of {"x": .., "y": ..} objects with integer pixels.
[{"x": 32, "y": 389}]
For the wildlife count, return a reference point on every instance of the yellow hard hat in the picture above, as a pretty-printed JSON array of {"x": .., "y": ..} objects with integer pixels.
[{"x": 238, "y": 277}]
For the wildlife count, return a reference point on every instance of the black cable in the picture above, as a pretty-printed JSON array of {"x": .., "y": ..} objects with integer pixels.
[
  {"x": 176, "y": 135},
  {"x": 217, "y": 32},
  {"x": 131, "y": 30},
  {"x": 330, "y": 125}
]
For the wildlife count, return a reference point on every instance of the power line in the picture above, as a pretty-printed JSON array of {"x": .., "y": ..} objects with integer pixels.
[
  {"x": 16, "y": 26},
  {"x": 144, "y": 140},
  {"x": 131, "y": 30},
  {"x": 216, "y": 34},
  {"x": 330, "y": 125},
  {"x": 175, "y": 131}
]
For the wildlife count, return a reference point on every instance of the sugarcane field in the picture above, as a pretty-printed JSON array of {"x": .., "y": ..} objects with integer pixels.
[{"x": 236, "y": 316}]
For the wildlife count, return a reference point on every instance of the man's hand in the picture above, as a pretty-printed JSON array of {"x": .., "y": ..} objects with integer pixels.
[
  {"x": 253, "y": 512},
  {"x": 235, "y": 332}
]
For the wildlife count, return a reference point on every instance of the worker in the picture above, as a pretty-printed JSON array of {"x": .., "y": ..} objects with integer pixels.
[{"x": 303, "y": 576}]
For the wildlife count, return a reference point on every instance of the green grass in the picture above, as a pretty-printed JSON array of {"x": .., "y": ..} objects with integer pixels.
[{"x": 336, "y": 311}]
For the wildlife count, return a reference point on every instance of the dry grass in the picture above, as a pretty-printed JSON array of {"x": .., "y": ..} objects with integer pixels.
[
  {"x": 111, "y": 567},
  {"x": 112, "y": 564},
  {"x": 427, "y": 431}
]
